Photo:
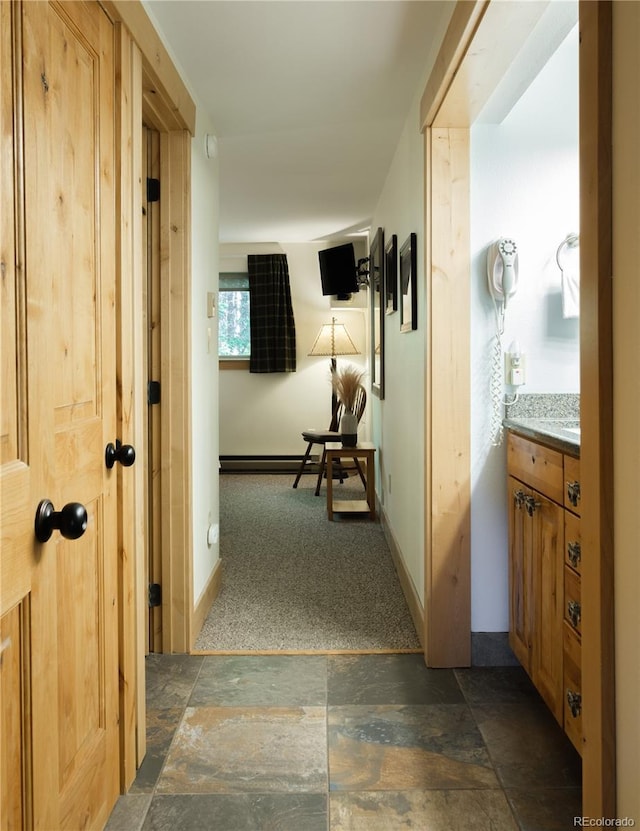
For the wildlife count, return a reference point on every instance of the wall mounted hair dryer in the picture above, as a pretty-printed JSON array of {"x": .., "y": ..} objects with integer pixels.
[{"x": 502, "y": 269}]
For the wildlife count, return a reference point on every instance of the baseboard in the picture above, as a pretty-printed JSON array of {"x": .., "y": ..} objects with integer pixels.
[
  {"x": 211, "y": 591},
  {"x": 406, "y": 583},
  {"x": 261, "y": 464}
]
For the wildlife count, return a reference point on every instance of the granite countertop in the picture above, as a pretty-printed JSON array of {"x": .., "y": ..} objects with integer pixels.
[
  {"x": 561, "y": 434},
  {"x": 551, "y": 419}
]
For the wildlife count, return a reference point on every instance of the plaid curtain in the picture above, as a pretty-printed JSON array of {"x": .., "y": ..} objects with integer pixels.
[{"x": 273, "y": 330}]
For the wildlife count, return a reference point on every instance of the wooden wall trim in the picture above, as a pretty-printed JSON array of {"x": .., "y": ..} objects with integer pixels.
[
  {"x": 201, "y": 610},
  {"x": 462, "y": 26},
  {"x": 596, "y": 409},
  {"x": 165, "y": 94},
  {"x": 448, "y": 543},
  {"x": 416, "y": 609},
  {"x": 175, "y": 323}
]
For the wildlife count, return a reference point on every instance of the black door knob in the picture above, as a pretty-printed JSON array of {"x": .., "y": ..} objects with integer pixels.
[
  {"x": 71, "y": 521},
  {"x": 123, "y": 453}
]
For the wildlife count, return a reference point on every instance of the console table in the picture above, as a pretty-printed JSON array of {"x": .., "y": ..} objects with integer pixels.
[{"x": 364, "y": 450}]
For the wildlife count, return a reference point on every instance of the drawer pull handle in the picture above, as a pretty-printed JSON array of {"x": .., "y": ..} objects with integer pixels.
[
  {"x": 573, "y": 493},
  {"x": 531, "y": 504},
  {"x": 573, "y": 553},
  {"x": 574, "y": 612},
  {"x": 574, "y": 700},
  {"x": 518, "y": 498}
]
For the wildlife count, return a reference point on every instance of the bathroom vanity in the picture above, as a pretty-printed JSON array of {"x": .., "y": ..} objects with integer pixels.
[{"x": 545, "y": 562}]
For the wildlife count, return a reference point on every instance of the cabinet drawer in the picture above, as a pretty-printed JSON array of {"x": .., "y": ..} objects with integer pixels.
[
  {"x": 538, "y": 466},
  {"x": 572, "y": 484},
  {"x": 573, "y": 686},
  {"x": 572, "y": 607},
  {"x": 572, "y": 542}
]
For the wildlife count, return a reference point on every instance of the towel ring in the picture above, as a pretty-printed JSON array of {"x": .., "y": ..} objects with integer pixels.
[{"x": 570, "y": 241}]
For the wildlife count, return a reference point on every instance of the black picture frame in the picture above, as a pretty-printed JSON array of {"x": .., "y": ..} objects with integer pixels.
[
  {"x": 377, "y": 308},
  {"x": 408, "y": 285},
  {"x": 391, "y": 275}
]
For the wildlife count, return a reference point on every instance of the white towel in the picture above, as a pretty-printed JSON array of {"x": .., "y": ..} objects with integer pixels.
[
  {"x": 568, "y": 259},
  {"x": 570, "y": 293}
]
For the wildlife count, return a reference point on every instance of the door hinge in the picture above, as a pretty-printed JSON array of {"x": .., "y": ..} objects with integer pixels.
[
  {"x": 155, "y": 595},
  {"x": 153, "y": 190},
  {"x": 153, "y": 392}
]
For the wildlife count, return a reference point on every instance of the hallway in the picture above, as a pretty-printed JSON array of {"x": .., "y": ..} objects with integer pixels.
[{"x": 347, "y": 743}]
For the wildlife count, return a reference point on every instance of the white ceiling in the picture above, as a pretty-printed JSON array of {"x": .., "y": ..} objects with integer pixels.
[{"x": 308, "y": 99}]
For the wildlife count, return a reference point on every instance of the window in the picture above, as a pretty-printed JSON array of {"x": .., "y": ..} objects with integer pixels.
[{"x": 234, "y": 332}]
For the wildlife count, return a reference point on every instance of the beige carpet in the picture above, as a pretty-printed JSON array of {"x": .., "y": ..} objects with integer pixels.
[{"x": 292, "y": 580}]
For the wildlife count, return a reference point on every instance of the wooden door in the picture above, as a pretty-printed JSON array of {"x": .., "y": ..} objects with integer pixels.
[{"x": 58, "y": 612}]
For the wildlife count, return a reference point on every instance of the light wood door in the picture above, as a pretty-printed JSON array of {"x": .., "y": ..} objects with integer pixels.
[{"x": 58, "y": 613}]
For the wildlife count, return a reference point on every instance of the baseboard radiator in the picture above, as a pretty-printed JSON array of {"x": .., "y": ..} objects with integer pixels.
[{"x": 264, "y": 464}]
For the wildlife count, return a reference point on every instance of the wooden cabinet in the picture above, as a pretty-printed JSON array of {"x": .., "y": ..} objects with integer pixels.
[
  {"x": 544, "y": 578},
  {"x": 536, "y": 588}
]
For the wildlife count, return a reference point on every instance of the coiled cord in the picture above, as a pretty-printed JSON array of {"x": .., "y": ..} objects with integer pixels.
[{"x": 497, "y": 397}]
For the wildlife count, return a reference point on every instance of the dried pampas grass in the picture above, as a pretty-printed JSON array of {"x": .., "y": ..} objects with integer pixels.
[{"x": 345, "y": 385}]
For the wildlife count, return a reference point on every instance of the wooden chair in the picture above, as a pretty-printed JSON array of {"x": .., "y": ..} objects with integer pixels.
[{"x": 332, "y": 434}]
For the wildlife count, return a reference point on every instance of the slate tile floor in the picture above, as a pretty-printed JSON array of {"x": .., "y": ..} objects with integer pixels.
[{"x": 347, "y": 743}]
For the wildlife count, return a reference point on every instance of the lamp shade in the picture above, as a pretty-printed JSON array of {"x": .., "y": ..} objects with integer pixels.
[{"x": 333, "y": 339}]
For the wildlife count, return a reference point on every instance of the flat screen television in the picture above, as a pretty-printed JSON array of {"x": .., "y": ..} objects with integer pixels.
[{"x": 338, "y": 271}]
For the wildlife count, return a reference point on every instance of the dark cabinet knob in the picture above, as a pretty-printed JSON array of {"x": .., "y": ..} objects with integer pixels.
[
  {"x": 574, "y": 613},
  {"x": 573, "y": 493},
  {"x": 123, "y": 453},
  {"x": 574, "y": 700},
  {"x": 71, "y": 521},
  {"x": 574, "y": 553},
  {"x": 531, "y": 504}
]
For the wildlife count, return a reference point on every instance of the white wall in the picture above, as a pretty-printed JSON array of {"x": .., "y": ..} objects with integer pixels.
[
  {"x": 398, "y": 420},
  {"x": 264, "y": 414},
  {"x": 204, "y": 358},
  {"x": 524, "y": 185}
]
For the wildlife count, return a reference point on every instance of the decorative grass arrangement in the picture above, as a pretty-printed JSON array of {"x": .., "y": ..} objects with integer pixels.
[{"x": 345, "y": 385}]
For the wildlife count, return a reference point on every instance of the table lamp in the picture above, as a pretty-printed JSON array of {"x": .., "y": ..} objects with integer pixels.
[{"x": 333, "y": 340}]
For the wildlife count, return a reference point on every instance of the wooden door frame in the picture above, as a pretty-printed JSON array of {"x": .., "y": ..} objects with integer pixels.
[
  {"x": 476, "y": 51},
  {"x": 150, "y": 89}
]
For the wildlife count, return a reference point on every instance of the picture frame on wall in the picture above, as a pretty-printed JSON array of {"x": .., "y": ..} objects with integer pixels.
[
  {"x": 377, "y": 307},
  {"x": 408, "y": 299},
  {"x": 391, "y": 275}
]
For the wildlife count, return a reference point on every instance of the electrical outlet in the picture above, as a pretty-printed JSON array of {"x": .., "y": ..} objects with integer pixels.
[{"x": 514, "y": 369}]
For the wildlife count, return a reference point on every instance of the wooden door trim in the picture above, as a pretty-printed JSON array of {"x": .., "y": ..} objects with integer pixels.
[
  {"x": 447, "y": 618},
  {"x": 134, "y": 107},
  {"x": 131, "y": 409},
  {"x": 596, "y": 410},
  {"x": 175, "y": 383},
  {"x": 166, "y": 96},
  {"x": 470, "y": 21}
]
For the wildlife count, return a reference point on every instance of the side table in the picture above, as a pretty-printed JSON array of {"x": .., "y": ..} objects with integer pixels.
[{"x": 365, "y": 450}]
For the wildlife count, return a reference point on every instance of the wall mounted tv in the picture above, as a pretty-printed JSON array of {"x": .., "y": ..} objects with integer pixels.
[{"x": 338, "y": 271}]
